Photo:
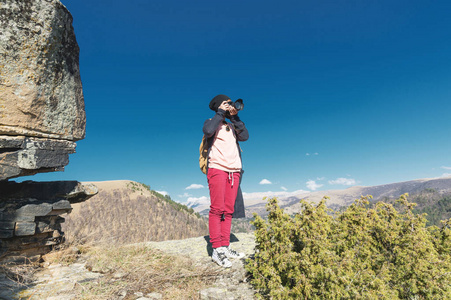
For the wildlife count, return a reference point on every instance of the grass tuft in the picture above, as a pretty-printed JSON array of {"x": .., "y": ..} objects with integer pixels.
[{"x": 137, "y": 268}]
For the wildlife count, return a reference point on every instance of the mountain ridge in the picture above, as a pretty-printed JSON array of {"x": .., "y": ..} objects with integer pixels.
[{"x": 345, "y": 197}]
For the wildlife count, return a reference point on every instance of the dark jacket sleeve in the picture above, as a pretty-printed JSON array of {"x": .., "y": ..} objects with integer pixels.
[
  {"x": 212, "y": 124},
  {"x": 240, "y": 128}
]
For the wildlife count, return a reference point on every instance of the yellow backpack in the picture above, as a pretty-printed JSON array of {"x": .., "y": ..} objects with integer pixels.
[{"x": 203, "y": 152}]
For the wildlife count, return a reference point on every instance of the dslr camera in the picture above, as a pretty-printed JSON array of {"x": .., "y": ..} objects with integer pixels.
[{"x": 238, "y": 104}]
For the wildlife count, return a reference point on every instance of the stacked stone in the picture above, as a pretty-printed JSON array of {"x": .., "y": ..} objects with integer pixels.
[
  {"x": 30, "y": 221},
  {"x": 22, "y": 156}
]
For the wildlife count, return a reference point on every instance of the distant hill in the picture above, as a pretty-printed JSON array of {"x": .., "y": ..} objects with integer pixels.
[
  {"x": 436, "y": 205},
  {"x": 129, "y": 212},
  {"x": 437, "y": 189}
]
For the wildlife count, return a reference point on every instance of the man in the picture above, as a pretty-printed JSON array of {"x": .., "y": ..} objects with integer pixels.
[{"x": 224, "y": 169}]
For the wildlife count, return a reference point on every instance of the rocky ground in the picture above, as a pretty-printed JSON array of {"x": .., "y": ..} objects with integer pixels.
[
  {"x": 56, "y": 281},
  {"x": 231, "y": 283}
]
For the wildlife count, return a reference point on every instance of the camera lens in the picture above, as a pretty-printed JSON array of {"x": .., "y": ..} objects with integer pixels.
[{"x": 239, "y": 104}]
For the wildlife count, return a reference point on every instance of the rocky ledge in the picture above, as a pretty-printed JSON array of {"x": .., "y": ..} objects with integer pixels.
[
  {"x": 231, "y": 283},
  {"x": 30, "y": 216},
  {"x": 60, "y": 282},
  {"x": 42, "y": 115},
  {"x": 22, "y": 156}
]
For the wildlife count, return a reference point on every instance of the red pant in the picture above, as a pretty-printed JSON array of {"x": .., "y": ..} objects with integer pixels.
[{"x": 223, "y": 189}]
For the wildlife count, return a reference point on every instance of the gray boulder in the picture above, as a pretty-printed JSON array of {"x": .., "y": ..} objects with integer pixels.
[
  {"x": 40, "y": 86},
  {"x": 42, "y": 110}
]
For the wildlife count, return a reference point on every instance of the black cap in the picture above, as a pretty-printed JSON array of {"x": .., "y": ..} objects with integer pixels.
[{"x": 217, "y": 100}]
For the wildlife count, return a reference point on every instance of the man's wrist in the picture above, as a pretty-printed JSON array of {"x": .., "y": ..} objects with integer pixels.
[{"x": 235, "y": 118}]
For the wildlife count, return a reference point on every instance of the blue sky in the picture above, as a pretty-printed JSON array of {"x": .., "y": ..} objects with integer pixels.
[{"x": 336, "y": 93}]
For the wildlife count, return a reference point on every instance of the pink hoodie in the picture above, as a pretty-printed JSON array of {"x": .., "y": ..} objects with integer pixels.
[{"x": 224, "y": 153}]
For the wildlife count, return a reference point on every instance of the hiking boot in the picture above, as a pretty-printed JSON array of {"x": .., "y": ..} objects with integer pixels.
[
  {"x": 230, "y": 253},
  {"x": 220, "y": 257}
]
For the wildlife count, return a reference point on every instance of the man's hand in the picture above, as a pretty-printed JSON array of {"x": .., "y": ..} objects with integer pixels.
[
  {"x": 225, "y": 105},
  {"x": 232, "y": 110}
]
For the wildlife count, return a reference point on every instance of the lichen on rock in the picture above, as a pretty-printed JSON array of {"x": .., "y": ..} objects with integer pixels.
[{"x": 40, "y": 86}]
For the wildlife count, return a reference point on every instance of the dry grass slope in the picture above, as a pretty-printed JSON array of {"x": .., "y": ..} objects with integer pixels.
[{"x": 125, "y": 212}]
